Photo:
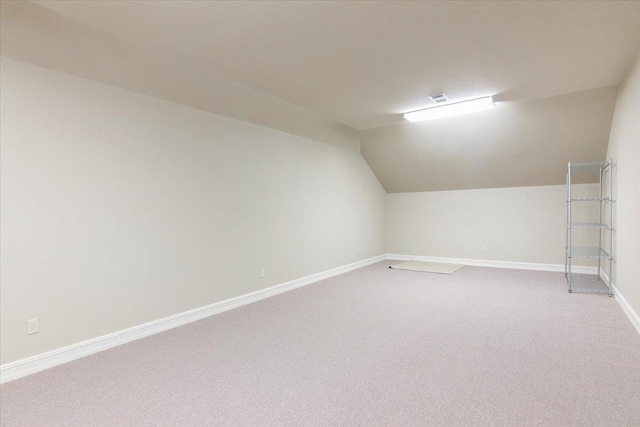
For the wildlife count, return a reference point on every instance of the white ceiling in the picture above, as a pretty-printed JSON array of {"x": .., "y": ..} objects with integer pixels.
[
  {"x": 364, "y": 63},
  {"x": 325, "y": 70}
]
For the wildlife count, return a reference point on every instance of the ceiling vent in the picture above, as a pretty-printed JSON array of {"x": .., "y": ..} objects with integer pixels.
[{"x": 439, "y": 98}]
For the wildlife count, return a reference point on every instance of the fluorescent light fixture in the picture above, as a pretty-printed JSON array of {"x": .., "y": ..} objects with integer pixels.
[{"x": 451, "y": 109}]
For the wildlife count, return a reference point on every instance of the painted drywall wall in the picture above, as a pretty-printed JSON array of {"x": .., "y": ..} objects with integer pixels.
[
  {"x": 624, "y": 149},
  {"x": 119, "y": 209},
  {"x": 518, "y": 224}
]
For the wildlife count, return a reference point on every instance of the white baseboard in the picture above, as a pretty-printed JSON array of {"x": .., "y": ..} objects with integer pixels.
[
  {"x": 495, "y": 264},
  {"x": 628, "y": 310},
  {"x": 31, "y": 365},
  {"x": 622, "y": 302}
]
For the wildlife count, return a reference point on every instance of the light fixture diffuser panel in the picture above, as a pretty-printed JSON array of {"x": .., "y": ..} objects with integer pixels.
[{"x": 451, "y": 109}]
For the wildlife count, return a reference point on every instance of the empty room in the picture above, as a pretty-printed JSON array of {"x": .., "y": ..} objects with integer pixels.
[{"x": 319, "y": 213}]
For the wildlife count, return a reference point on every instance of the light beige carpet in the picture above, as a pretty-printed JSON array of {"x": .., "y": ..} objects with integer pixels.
[
  {"x": 428, "y": 267},
  {"x": 372, "y": 347}
]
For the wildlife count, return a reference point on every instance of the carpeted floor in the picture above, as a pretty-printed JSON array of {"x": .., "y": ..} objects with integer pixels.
[{"x": 376, "y": 346}]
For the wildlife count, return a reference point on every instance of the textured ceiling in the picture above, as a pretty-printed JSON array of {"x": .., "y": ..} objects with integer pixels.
[{"x": 363, "y": 63}]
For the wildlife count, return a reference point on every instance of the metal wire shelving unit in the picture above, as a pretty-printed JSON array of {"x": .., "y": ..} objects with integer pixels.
[{"x": 592, "y": 283}]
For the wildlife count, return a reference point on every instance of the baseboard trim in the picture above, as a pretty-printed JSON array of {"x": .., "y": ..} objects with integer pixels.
[
  {"x": 624, "y": 305},
  {"x": 628, "y": 310},
  {"x": 495, "y": 264},
  {"x": 14, "y": 370},
  {"x": 18, "y": 369}
]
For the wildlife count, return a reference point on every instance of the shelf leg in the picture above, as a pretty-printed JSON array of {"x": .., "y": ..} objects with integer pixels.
[{"x": 569, "y": 225}]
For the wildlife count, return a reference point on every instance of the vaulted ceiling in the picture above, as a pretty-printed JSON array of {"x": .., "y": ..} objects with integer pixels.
[
  {"x": 357, "y": 66},
  {"x": 362, "y": 63}
]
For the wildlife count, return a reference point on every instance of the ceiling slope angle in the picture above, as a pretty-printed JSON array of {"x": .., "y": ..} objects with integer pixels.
[
  {"x": 37, "y": 35},
  {"x": 364, "y": 64},
  {"x": 523, "y": 143},
  {"x": 326, "y": 70}
]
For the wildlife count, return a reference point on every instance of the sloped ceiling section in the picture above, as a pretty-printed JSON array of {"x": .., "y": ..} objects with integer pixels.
[
  {"x": 39, "y": 36},
  {"x": 344, "y": 72},
  {"x": 519, "y": 143},
  {"x": 362, "y": 63}
]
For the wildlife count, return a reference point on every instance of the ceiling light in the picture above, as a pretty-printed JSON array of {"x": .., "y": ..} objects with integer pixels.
[{"x": 451, "y": 109}]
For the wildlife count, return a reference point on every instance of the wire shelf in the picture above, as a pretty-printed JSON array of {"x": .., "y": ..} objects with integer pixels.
[
  {"x": 586, "y": 252},
  {"x": 590, "y": 167},
  {"x": 597, "y": 199},
  {"x": 588, "y": 283},
  {"x": 588, "y": 225}
]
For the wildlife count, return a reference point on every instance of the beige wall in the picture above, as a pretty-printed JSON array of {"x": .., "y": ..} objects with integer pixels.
[
  {"x": 119, "y": 208},
  {"x": 518, "y": 224},
  {"x": 81, "y": 251},
  {"x": 624, "y": 149}
]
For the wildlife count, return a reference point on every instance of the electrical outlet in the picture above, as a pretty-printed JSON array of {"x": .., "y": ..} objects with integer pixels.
[
  {"x": 466, "y": 248},
  {"x": 483, "y": 249},
  {"x": 262, "y": 272},
  {"x": 33, "y": 326}
]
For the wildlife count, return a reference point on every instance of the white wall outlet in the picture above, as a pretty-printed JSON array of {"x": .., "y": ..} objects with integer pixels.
[
  {"x": 466, "y": 248},
  {"x": 33, "y": 326},
  {"x": 262, "y": 272},
  {"x": 483, "y": 249}
]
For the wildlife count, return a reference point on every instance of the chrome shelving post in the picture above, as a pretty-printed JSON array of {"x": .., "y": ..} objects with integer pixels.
[
  {"x": 566, "y": 238},
  {"x": 569, "y": 224},
  {"x": 610, "y": 164},
  {"x": 600, "y": 218}
]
